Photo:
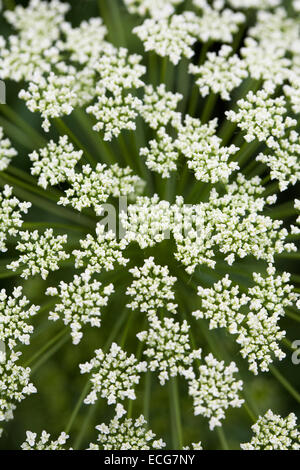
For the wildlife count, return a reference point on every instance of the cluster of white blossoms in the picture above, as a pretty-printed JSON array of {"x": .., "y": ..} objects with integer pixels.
[
  {"x": 272, "y": 432},
  {"x": 52, "y": 162},
  {"x": 114, "y": 113},
  {"x": 11, "y": 210},
  {"x": 15, "y": 329},
  {"x": 85, "y": 43},
  {"x": 81, "y": 302},
  {"x": 262, "y": 116},
  {"x": 292, "y": 92},
  {"x": 159, "y": 106},
  {"x": 168, "y": 348},
  {"x": 169, "y": 37},
  {"x": 92, "y": 187},
  {"x": 155, "y": 8},
  {"x": 220, "y": 73},
  {"x": 115, "y": 377},
  {"x": 102, "y": 252},
  {"x": 265, "y": 118},
  {"x": 15, "y": 310},
  {"x": 7, "y": 152},
  {"x": 216, "y": 23},
  {"x": 222, "y": 305},
  {"x": 215, "y": 210},
  {"x": 15, "y": 384},
  {"x": 44, "y": 442},
  {"x": 148, "y": 221},
  {"x": 32, "y": 51},
  {"x": 41, "y": 253},
  {"x": 205, "y": 154},
  {"x": 215, "y": 390},
  {"x": 257, "y": 4},
  {"x": 126, "y": 434},
  {"x": 52, "y": 97},
  {"x": 161, "y": 155},
  {"x": 116, "y": 109},
  {"x": 152, "y": 289},
  {"x": 233, "y": 223},
  {"x": 252, "y": 316}
]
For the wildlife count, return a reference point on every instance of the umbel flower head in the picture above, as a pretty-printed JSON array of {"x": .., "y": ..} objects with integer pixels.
[
  {"x": 44, "y": 442},
  {"x": 272, "y": 432},
  {"x": 126, "y": 434},
  {"x": 154, "y": 278}
]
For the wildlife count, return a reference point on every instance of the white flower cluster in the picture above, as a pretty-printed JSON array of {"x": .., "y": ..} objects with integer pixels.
[
  {"x": 152, "y": 289},
  {"x": 197, "y": 142},
  {"x": 261, "y": 116},
  {"x": 276, "y": 30},
  {"x": 148, "y": 221},
  {"x": 114, "y": 113},
  {"x": 265, "y": 62},
  {"x": 11, "y": 210},
  {"x": 86, "y": 42},
  {"x": 126, "y": 434},
  {"x": 220, "y": 73},
  {"x": 115, "y": 377},
  {"x": 155, "y": 8},
  {"x": 168, "y": 348},
  {"x": 216, "y": 23},
  {"x": 222, "y": 305},
  {"x": 215, "y": 390},
  {"x": 15, "y": 384},
  {"x": 32, "y": 52},
  {"x": 264, "y": 118},
  {"x": 15, "y": 311},
  {"x": 232, "y": 223},
  {"x": 38, "y": 17},
  {"x": 257, "y": 4},
  {"x": 7, "y": 152},
  {"x": 296, "y": 5},
  {"x": 295, "y": 229},
  {"x": 195, "y": 446},
  {"x": 120, "y": 71},
  {"x": 51, "y": 163},
  {"x": 81, "y": 302},
  {"x": 115, "y": 110},
  {"x": 92, "y": 187},
  {"x": 272, "y": 432},
  {"x": 261, "y": 335},
  {"x": 161, "y": 155},
  {"x": 292, "y": 92},
  {"x": 44, "y": 442},
  {"x": 253, "y": 317},
  {"x": 42, "y": 253},
  {"x": 53, "y": 96},
  {"x": 283, "y": 159},
  {"x": 159, "y": 106},
  {"x": 204, "y": 151},
  {"x": 169, "y": 37},
  {"x": 101, "y": 252}
]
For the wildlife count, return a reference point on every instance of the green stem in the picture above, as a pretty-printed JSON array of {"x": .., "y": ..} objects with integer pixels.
[
  {"x": 64, "y": 336},
  {"x": 209, "y": 107},
  {"x": 285, "y": 383},
  {"x": 83, "y": 394},
  {"x": 175, "y": 414},
  {"x": 22, "y": 124},
  {"x": 222, "y": 438},
  {"x": 147, "y": 395}
]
